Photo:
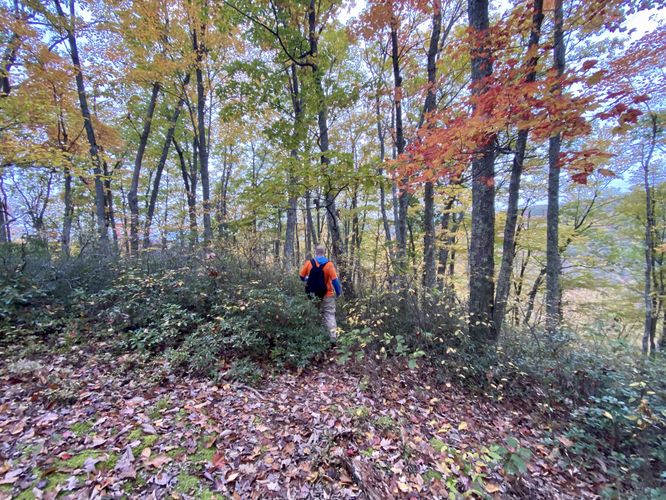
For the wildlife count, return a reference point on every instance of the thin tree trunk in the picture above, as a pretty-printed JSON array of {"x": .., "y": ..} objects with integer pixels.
[
  {"x": 5, "y": 234},
  {"x": 482, "y": 265},
  {"x": 382, "y": 157},
  {"x": 110, "y": 212},
  {"x": 293, "y": 200},
  {"x": 648, "y": 345},
  {"x": 68, "y": 214},
  {"x": 123, "y": 206},
  {"x": 100, "y": 200},
  {"x": 531, "y": 297},
  {"x": 190, "y": 192},
  {"x": 152, "y": 204},
  {"x": 8, "y": 60},
  {"x": 200, "y": 50},
  {"x": 403, "y": 201},
  {"x": 132, "y": 195},
  {"x": 429, "y": 262},
  {"x": 508, "y": 248},
  {"x": 444, "y": 248},
  {"x": 553, "y": 263},
  {"x": 310, "y": 229},
  {"x": 322, "y": 121}
]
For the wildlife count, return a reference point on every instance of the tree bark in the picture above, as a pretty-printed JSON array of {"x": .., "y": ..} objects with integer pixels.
[
  {"x": 382, "y": 157},
  {"x": 403, "y": 201},
  {"x": 429, "y": 263},
  {"x": 132, "y": 195},
  {"x": 531, "y": 297},
  {"x": 443, "y": 256},
  {"x": 482, "y": 266},
  {"x": 68, "y": 214},
  {"x": 8, "y": 60},
  {"x": 648, "y": 345},
  {"x": 508, "y": 248},
  {"x": 152, "y": 204},
  {"x": 553, "y": 264},
  {"x": 200, "y": 51},
  {"x": 290, "y": 232},
  {"x": 190, "y": 183},
  {"x": 110, "y": 212},
  {"x": 5, "y": 234},
  {"x": 332, "y": 220},
  {"x": 100, "y": 199}
]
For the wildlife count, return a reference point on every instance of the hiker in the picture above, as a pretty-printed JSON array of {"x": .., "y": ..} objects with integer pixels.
[{"x": 322, "y": 281}]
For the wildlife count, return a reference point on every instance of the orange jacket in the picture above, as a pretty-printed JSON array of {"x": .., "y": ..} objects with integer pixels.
[{"x": 330, "y": 276}]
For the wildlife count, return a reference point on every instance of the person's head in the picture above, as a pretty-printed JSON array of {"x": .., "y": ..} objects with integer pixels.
[{"x": 320, "y": 250}]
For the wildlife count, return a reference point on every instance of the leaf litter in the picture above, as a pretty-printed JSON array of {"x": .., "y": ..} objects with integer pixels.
[{"x": 323, "y": 433}]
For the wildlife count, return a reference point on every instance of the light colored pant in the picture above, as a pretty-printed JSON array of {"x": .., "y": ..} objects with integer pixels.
[{"x": 327, "y": 311}]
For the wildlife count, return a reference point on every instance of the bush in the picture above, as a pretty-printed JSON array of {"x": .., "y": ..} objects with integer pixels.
[{"x": 610, "y": 402}]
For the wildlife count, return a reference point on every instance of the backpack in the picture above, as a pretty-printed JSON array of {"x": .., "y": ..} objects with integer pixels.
[{"x": 316, "y": 284}]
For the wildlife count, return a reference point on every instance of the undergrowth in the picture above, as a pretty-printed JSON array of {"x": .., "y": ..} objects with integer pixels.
[{"x": 212, "y": 315}]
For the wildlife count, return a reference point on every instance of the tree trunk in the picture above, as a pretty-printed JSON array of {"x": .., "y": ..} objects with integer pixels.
[
  {"x": 297, "y": 104},
  {"x": 482, "y": 266},
  {"x": 152, "y": 204},
  {"x": 110, "y": 212},
  {"x": 662, "y": 340},
  {"x": 132, "y": 196},
  {"x": 429, "y": 262},
  {"x": 5, "y": 235},
  {"x": 508, "y": 248},
  {"x": 403, "y": 201},
  {"x": 311, "y": 227},
  {"x": 290, "y": 231},
  {"x": 648, "y": 345},
  {"x": 8, "y": 60},
  {"x": 553, "y": 265},
  {"x": 200, "y": 51},
  {"x": 68, "y": 214},
  {"x": 322, "y": 121},
  {"x": 382, "y": 157},
  {"x": 190, "y": 191},
  {"x": 531, "y": 297},
  {"x": 443, "y": 256},
  {"x": 100, "y": 200}
]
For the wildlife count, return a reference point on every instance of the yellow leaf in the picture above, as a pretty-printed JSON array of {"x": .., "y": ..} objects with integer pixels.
[
  {"x": 491, "y": 487},
  {"x": 404, "y": 487},
  {"x": 608, "y": 415},
  {"x": 462, "y": 426}
]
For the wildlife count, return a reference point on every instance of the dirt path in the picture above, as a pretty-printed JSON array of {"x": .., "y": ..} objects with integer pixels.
[{"x": 85, "y": 425}]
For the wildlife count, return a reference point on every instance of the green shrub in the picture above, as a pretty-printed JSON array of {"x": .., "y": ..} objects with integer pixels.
[{"x": 244, "y": 370}]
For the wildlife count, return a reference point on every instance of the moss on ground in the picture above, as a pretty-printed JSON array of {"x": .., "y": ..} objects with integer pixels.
[
  {"x": 55, "y": 479},
  {"x": 202, "y": 454},
  {"x": 176, "y": 452},
  {"x": 78, "y": 461},
  {"x": 187, "y": 483},
  {"x": 81, "y": 428}
]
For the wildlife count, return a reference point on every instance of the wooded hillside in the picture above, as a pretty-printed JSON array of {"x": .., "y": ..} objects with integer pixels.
[{"x": 487, "y": 178}]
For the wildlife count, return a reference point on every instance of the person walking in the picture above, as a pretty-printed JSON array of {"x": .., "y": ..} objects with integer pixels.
[{"x": 322, "y": 281}]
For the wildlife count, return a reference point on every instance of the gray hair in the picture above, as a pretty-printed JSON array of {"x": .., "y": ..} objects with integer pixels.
[{"x": 320, "y": 250}]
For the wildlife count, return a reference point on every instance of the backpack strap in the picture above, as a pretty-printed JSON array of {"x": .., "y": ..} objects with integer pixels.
[{"x": 314, "y": 263}]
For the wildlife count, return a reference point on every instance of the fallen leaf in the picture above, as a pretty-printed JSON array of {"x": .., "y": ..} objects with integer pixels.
[
  {"x": 565, "y": 441},
  {"x": 492, "y": 487},
  {"x": 124, "y": 465},
  {"x": 12, "y": 476},
  {"x": 404, "y": 487},
  {"x": 159, "y": 461}
]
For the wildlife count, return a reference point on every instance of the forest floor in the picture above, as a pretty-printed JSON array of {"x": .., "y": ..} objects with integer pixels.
[{"x": 86, "y": 424}]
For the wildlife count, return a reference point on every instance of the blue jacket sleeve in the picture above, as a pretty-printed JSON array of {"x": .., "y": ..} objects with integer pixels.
[{"x": 336, "y": 285}]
